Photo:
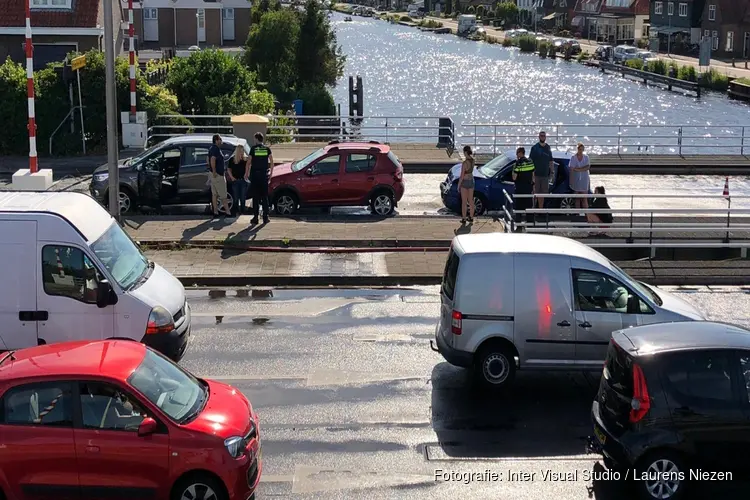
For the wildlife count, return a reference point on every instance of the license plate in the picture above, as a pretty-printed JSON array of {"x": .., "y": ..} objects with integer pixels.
[{"x": 600, "y": 435}]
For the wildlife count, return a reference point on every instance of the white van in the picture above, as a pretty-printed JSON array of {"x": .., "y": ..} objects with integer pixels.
[
  {"x": 533, "y": 301},
  {"x": 69, "y": 272}
]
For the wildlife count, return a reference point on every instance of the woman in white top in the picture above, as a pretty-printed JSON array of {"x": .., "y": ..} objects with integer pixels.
[{"x": 579, "y": 176}]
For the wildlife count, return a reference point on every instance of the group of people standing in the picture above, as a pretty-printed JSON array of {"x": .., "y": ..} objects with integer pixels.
[
  {"x": 243, "y": 172},
  {"x": 532, "y": 176}
]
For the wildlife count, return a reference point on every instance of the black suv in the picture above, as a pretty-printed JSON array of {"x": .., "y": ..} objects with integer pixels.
[{"x": 673, "y": 406}]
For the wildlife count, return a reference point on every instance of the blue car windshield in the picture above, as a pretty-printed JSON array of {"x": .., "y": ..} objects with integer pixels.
[{"x": 492, "y": 167}]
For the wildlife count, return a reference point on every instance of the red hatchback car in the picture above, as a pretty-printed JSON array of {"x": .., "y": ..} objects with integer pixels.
[
  {"x": 340, "y": 174},
  {"x": 115, "y": 419}
]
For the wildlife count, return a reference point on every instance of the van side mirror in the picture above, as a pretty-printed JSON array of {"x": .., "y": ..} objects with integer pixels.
[
  {"x": 105, "y": 295},
  {"x": 634, "y": 304},
  {"x": 147, "y": 427}
]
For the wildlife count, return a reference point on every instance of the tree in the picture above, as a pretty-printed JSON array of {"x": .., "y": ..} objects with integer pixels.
[
  {"x": 319, "y": 58},
  {"x": 456, "y": 7},
  {"x": 271, "y": 50},
  {"x": 262, "y": 7},
  {"x": 507, "y": 12}
]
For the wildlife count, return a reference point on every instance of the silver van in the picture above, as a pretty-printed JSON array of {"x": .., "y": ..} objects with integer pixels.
[{"x": 533, "y": 301}]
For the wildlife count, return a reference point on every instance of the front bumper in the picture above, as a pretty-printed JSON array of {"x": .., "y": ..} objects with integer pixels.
[
  {"x": 450, "y": 199},
  {"x": 97, "y": 191},
  {"x": 173, "y": 344}
]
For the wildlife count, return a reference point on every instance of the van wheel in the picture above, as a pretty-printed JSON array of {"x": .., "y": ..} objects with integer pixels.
[
  {"x": 665, "y": 476},
  {"x": 496, "y": 367}
]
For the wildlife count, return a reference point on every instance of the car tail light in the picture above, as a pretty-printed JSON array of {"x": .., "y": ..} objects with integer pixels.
[
  {"x": 159, "y": 321},
  {"x": 456, "y": 323},
  {"x": 640, "y": 404}
]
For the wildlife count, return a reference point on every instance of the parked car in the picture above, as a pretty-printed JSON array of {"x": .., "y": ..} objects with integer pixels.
[
  {"x": 114, "y": 418},
  {"x": 672, "y": 402},
  {"x": 516, "y": 33},
  {"x": 340, "y": 174},
  {"x": 172, "y": 172},
  {"x": 575, "y": 47},
  {"x": 646, "y": 56},
  {"x": 76, "y": 275},
  {"x": 604, "y": 53},
  {"x": 533, "y": 301},
  {"x": 624, "y": 53},
  {"x": 493, "y": 179},
  {"x": 558, "y": 43}
]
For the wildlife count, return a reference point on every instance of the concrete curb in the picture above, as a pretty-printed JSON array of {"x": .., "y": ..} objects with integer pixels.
[
  {"x": 423, "y": 280},
  {"x": 344, "y": 246}
]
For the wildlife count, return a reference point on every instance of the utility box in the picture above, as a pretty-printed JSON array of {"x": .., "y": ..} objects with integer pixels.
[
  {"x": 246, "y": 126},
  {"x": 134, "y": 135}
]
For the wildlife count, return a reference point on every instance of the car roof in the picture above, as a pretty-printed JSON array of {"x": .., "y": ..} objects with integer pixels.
[
  {"x": 190, "y": 138},
  {"x": 493, "y": 243},
  {"x": 111, "y": 358},
  {"x": 80, "y": 209},
  {"x": 557, "y": 154},
  {"x": 348, "y": 146},
  {"x": 682, "y": 335}
]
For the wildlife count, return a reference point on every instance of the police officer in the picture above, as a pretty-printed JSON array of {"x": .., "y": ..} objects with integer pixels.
[
  {"x": 523, "y": 177},
  {"x": 261, "y": 168}
]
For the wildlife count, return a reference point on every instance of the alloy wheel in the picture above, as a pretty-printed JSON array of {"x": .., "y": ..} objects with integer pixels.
[
  {"x": 663, "y": 479},
  {"x": 495, "y": 368},
  {"x": 125, "y": 202},
  {"x": 199, "y": 491},
  {"x": 566, "y": 203},
  {"x": 478, "y": 206},
  {"x": 382, "y": 204},
  {"x": 285, "y": 205}
]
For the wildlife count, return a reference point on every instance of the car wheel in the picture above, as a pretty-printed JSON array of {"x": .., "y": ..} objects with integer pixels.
[
  {"x": 480, "y": 205},
  {"x": 230, "y": 201},
  {"x": 382, "y": 203},
  {"x": 566, "y": 203},
  {"x": 495, "y": 367},
  {"x": 199, "y": 487},
  {"x": 285, "y": 203},
  {"x": 126, "y": 199},
  {"x": 662, "y": 476}
]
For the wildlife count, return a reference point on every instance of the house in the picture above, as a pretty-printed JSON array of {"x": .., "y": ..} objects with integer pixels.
[
  {"x": 727, "y": 22},
  {"x": 58, "y": 27},
  {"x": 529, "y": 12},
  {"x": 184, "y": 23},
  {"x": 622, "y": 21},
  {"x": 676, "y": 24},
  {"x": 558, "y": 13},
  {"x": 586, "y": 13}
]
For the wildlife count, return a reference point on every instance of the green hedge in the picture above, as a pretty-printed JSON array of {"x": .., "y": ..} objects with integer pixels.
[
  {"x": 634, "y": 63},
  {"x": 527, "y": 43},
  {"x": 714, "y": 80}
]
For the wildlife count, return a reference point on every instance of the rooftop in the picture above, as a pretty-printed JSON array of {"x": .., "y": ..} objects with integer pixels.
[
  {"x": 113, "y": 358},
  {"x": 82, "y": 14},
  {"x": 187, "y": 138},
  {"x": 675, "y": 336},
  {"x": 527, "y": 243}
]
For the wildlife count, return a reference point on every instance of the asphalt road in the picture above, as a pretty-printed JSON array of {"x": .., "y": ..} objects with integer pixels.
[{"x": 354, "y": 404}]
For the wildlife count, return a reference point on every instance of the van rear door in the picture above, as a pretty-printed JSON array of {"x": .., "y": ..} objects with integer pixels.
[
  {"x": 447, "y": 293},
  {"x": 18, "y": 306}
]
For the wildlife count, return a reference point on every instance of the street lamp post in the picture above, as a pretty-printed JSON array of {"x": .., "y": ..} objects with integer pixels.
[{"x": 111, "y": 96}]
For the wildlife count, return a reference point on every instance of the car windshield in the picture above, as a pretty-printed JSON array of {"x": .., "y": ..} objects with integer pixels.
[
  {"x": 639, "y": 286},
  {"x": 492, "y": 167},
  {"x": 176, "y": 392},
  {"x": 122, "y": 258},
  {"x": 304, "y": 162},
  {"x": 135, "y": 159}
]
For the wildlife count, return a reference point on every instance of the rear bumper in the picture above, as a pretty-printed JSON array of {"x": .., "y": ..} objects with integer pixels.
[
  {"x": 451, "y": 355},
  {"x": 610, "y": 447}
]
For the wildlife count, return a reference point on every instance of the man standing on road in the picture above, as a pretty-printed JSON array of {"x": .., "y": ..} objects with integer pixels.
[
  {"x": 523, "y": 177},
  {"x": 541, "y": 155},
  {"x": 218, "y": 176},
  {"x": 261, "y": 169}
]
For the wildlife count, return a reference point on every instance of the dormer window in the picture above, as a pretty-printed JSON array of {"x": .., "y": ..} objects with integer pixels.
[{"x": 51, "y": 4}]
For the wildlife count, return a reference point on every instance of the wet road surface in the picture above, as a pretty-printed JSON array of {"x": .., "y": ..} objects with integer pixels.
[{"x": 354, "y": 404}]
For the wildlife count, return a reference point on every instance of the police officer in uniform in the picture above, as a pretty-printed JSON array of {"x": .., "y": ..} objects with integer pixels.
[
  {"x": 523, "y": 177},
  {"x": 261, "y": 168}
]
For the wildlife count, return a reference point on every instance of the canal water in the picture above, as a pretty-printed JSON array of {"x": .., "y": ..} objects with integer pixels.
[{"x": 407, "y": 72}]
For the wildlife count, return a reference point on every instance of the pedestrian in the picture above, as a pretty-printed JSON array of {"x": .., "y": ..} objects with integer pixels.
[
  {"x": 541, "y": 155},
  {"x": 218, "y": 179},
  {"x": 600, "y": 202},
  {"x": 261, "y": 170},
  {"x": 579, "y": 176},
  {"x": 237, "y": 172},
  {"x": 523, "y": 177},
  {"x": 467, "y": 185}
]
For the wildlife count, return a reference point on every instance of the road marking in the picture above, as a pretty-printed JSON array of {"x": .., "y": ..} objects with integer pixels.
[
  {"x": 359, "y": 264},
  {"x": 323, "y": 377},
  {"x": 310, "y": 479},
  {"x": 270, "y": 478},
  {"x": 382, "y": 337}
]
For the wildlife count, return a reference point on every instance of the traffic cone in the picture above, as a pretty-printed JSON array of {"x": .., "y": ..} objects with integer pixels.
[{"x": 726, "y": 188}]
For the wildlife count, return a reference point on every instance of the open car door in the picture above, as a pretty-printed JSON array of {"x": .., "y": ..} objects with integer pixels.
[{"x": 150, "y": 177}]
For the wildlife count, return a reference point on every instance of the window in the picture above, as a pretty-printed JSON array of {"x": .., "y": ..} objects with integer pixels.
[
  {"x": 360, "y": 163},
  {"x": 68, "y": 272},
  {"x": 707, "y": 34},
  {"x": 164, "y": 161},
  {"x": 106, "y": 407},
  {"x": 659, "y": 8},
  {"x": 712, "y": 12},
  {"x": 699, "y": 377},
  {"x": 327, "y": 166},
  {"x": 122, "y": 258},
  {"x": 745, "y": 367},
  {"x": 304, "y": 162},
  {"x": 151, "y": 14},
  {"x": 47, "y": 404},
  {"x": 715, "y": 41},
  {"x": 730, "y": 41},
  {"x": 683, "y": 10},
  {"x": 618, "y": 3},
  {"x": 228, "y": 14},
  {"x": 51, "y": 4},
  {"x": 598, "y": 292},
  {"x": 670, "y": 9},
  {"x": 450, "y": 275},
  {"x": 196, "y": 155}
]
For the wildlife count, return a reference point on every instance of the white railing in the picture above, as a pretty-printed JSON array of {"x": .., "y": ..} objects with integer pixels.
[{"x": 678, "y": 140}]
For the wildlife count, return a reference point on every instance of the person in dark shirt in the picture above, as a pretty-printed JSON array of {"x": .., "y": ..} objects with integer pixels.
[
  {"x": 600, "y": 202},
  {"x": 541, "y": 155},
  {"x": 523, "y": 177},
  {"x": 261, "y": 169},
  {"x": 217, "y": 176},
  {"x": 237, "y": 173}
]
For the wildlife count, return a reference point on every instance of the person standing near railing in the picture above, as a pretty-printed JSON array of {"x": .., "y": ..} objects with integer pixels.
[
  {"x": 579, "y": 168},
  {"x": 541, "y": 155},
  {"x": 467, "y": 185},
  {"x": 261, "y": 169},
  {"x": 523, "y": 177}
]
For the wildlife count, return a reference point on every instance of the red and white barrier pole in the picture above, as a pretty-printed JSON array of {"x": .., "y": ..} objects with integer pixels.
[
  {"x": 30, "y": 91},
  {"x": 131, "y": 34}
]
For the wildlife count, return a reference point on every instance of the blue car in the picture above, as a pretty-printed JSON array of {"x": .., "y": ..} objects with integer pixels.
[{"x": 494, "y": 178}]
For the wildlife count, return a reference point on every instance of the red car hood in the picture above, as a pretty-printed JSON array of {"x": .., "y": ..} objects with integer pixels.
[
  {"x": 281, "y": 170},
  {"x": 226, "y": 414}
]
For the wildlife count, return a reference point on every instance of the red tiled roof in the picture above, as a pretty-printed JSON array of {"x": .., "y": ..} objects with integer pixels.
[{"x": 84, "y": 14}]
